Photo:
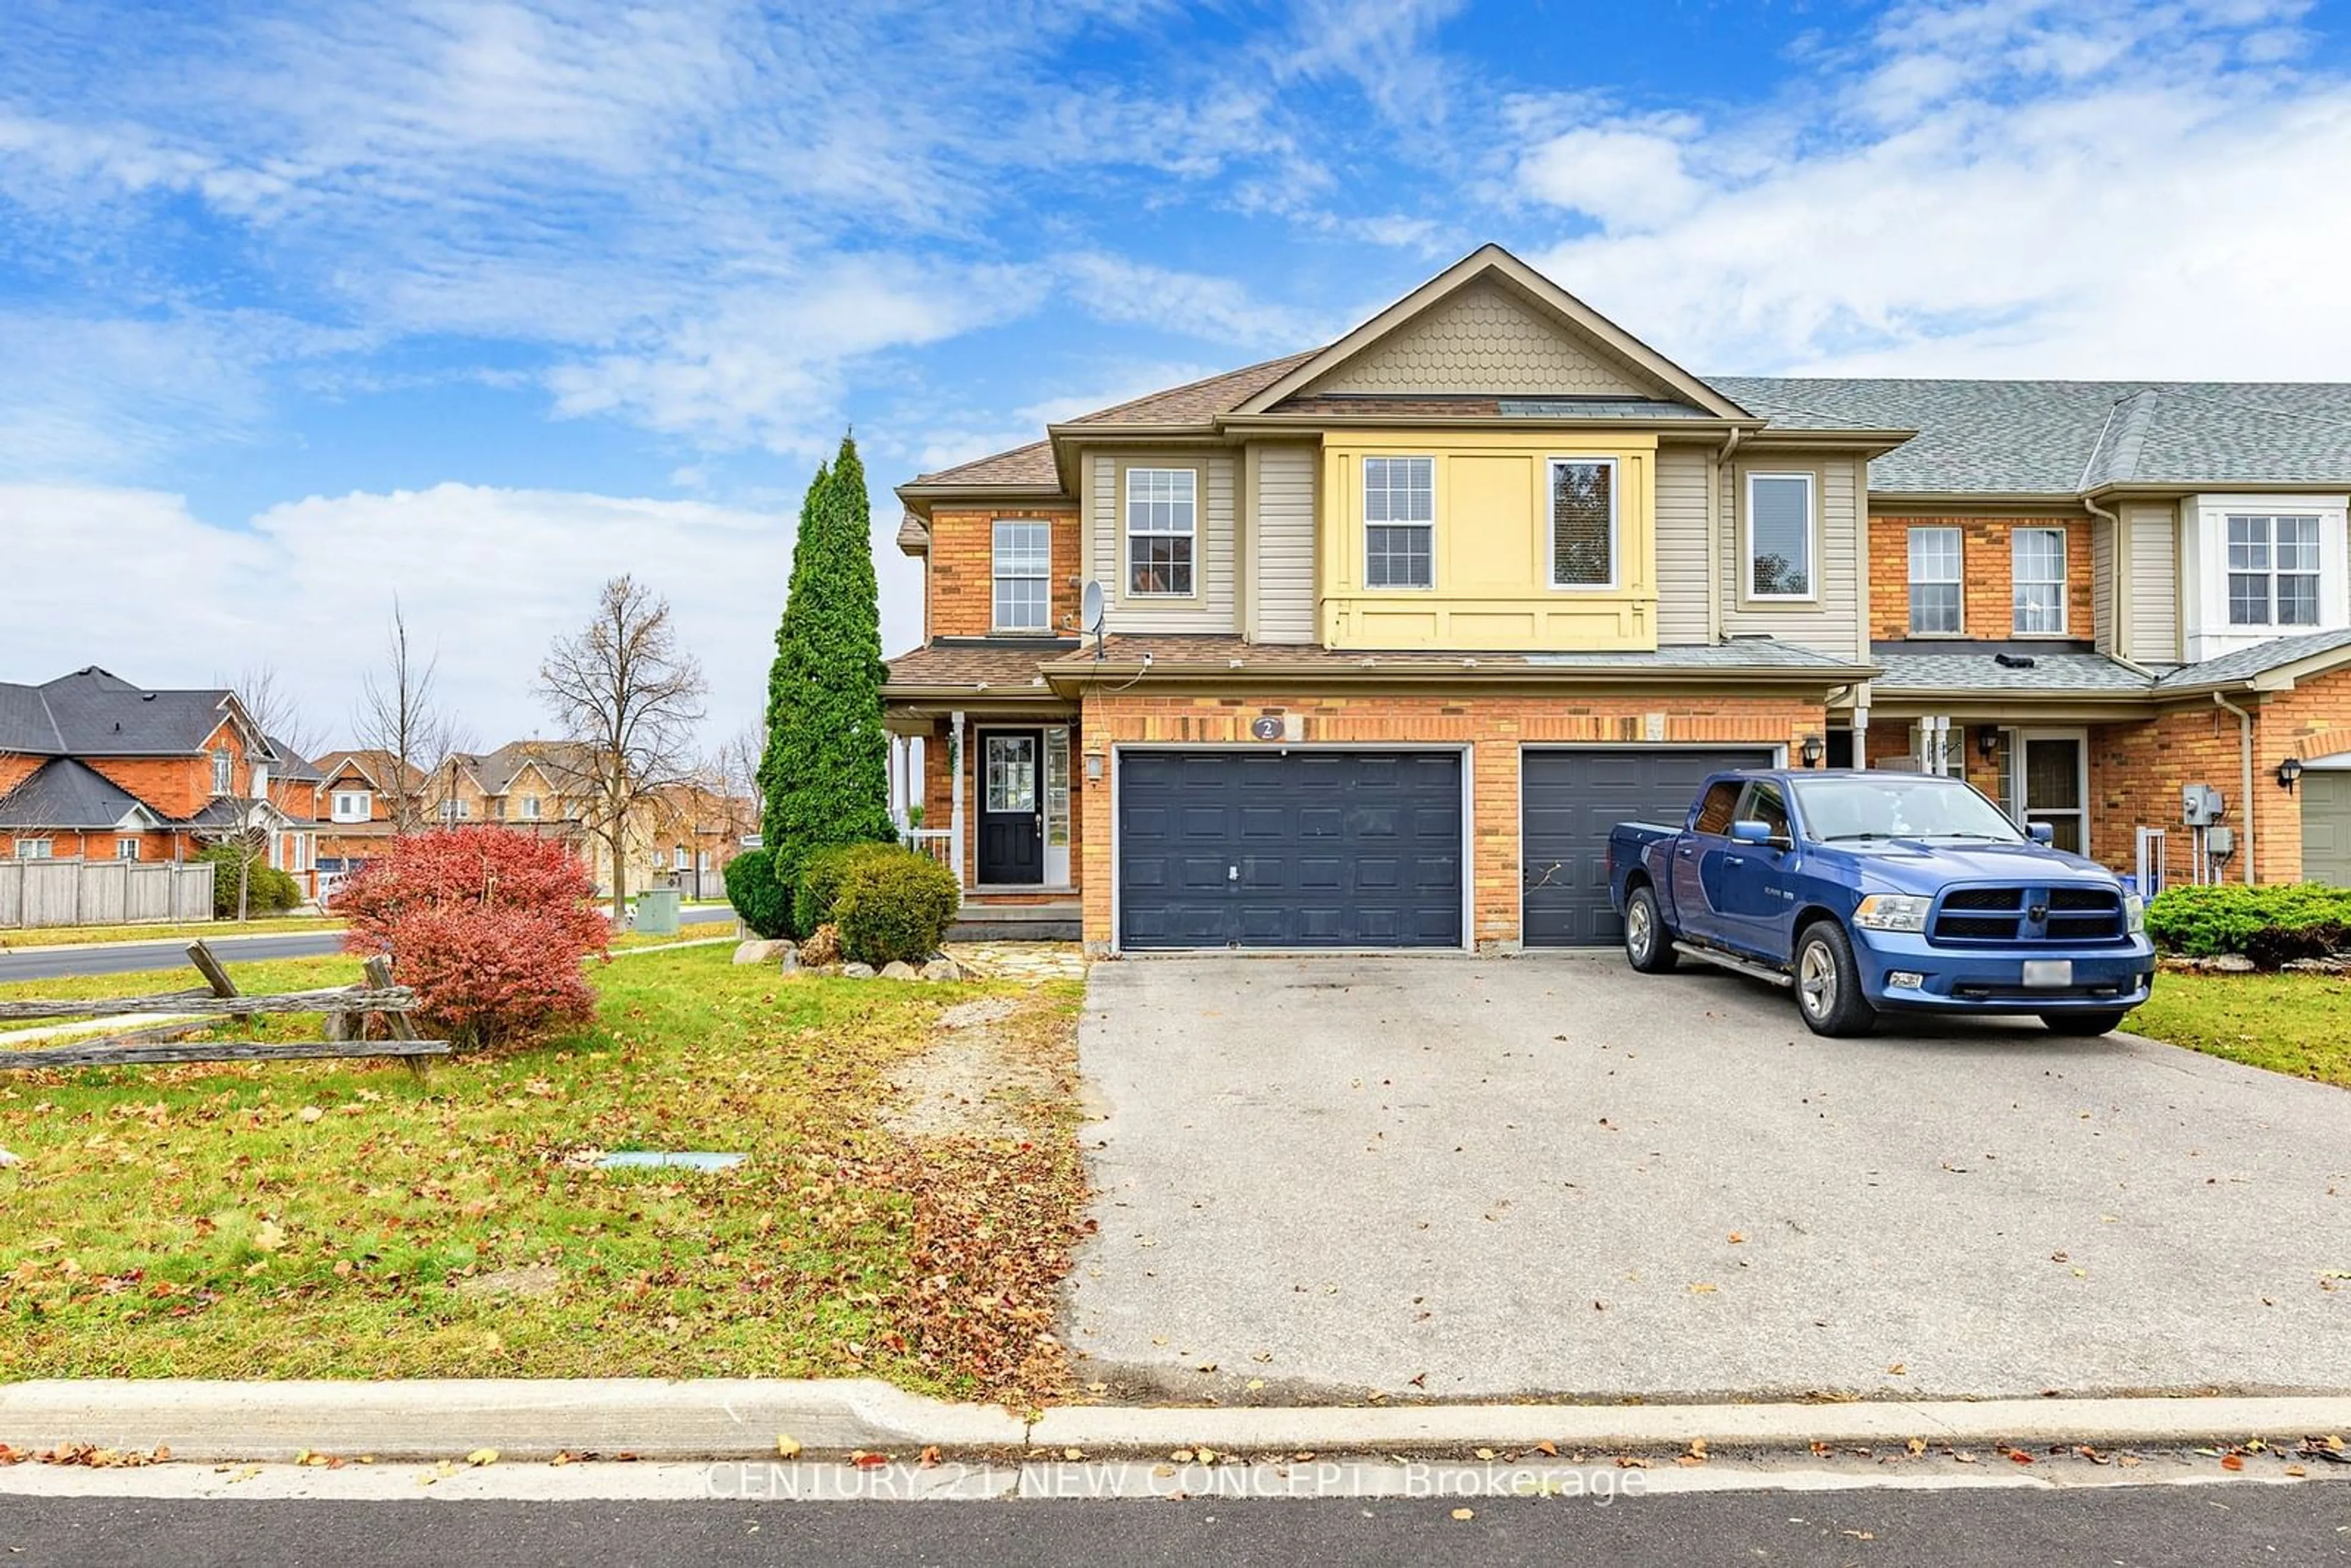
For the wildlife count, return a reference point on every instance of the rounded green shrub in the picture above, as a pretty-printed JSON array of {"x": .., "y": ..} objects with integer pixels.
[
  {"x": 763, "y": 903},
  {"x": 267, "y": 890},
  {"x": 2229, "y": 917},
  {"x": 820, "y": 882},
  {"x": 894, "y": 904}
]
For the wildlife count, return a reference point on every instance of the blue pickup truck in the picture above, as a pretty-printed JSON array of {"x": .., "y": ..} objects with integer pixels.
[{"x": 1881, "y": 891}]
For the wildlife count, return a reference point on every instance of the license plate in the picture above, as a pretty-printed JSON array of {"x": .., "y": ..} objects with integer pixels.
[{"x": 2048, "y": 973}]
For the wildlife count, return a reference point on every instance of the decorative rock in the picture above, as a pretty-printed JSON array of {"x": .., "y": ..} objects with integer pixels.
[
  {"x": 942, "y": 969},
  {"x": 8, "y": 1159},
  {"x": 2232, "y": 963},
  {"x": 761, "y": 952},
  {"x": 2335, "y": 964},
  {"x": 792, "y": 959},
  {"x": 898, "y": 969},
  {"x": 857, "y": 971}
]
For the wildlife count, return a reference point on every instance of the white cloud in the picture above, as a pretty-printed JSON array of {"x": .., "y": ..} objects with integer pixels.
[
  {"x": 1997, "y": 188},
  {"x": 1195, "y": 304},
  {"x": 490, "y": 576}
]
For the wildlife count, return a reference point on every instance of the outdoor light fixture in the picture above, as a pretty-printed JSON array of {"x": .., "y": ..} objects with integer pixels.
[
  {"x": 1814, "y": 749},
  {"x": 2288, "y": 772},
  {"x": 1093, "y": 765},
  {"x": 1987, "y": 742}
]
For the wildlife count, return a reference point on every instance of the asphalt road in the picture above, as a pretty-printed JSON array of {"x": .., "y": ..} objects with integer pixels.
[
  {"x": 1454, "y": 1179},
  {"x": 2143, "y": 1526},
  {"x": 128, "y": 958}
]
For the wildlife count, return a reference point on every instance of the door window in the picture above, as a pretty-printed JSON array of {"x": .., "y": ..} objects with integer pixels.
[
  {"x": 1720, "y": 807},
  {"x": 1011, "y": 773},
  {"x": 1764, "y": 805},
  {"x": 2052, "y": 787}
]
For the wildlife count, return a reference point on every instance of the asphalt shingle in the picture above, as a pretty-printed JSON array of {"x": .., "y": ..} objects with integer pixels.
[{"x": 64, "y": 794}]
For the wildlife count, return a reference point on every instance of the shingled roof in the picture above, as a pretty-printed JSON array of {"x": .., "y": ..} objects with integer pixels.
[
  {"x": 65, "y": 794},
  {"x": 94, "y": 712}
]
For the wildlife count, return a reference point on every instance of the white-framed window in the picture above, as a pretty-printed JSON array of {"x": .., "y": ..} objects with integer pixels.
[
  {"x": 1023, "y": 569},
  {"x": 1935, "y": 593},
  {"x": 1582, "y": 522},
  {"x": 1780, "y": 536},
  {"x": 456, "y": 810},
  {"x": 2037, "y": 579},
  {"x": 1399, "y": 522},
  {"x": 126, "y": 848},
  {"x": 352, "y": 806},
  {"x": 35, "y": 848},
  {"x": 2272, "y": 570},
  {"x": 224, "y": 765},
  {"x": 1163, "y": 515},
  {"x": 531, "y": 808}
]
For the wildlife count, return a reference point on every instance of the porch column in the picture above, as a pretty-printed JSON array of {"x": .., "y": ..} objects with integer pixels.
[
  {"x": 955, "y": 798},
  {"x": 896, "y": 763}
]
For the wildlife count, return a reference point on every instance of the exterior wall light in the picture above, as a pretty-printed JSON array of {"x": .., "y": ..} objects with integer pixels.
[
  {"x": 1814, "y": 748},
  {"x": 1987, "y": 742},
  {"x": 1095, "y": 766},
  {"x": 2287, "y": 772}
]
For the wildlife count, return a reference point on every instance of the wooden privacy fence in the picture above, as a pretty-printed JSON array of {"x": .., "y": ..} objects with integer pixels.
[
  {"x": 220, "y": 1001},
  {"x": 103, "y": 893}
]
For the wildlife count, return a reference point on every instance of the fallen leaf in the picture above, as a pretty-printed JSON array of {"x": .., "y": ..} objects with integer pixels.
[
  {"x": 1465, "y": 1513},
  {"x": 481, "y": 1456},
  {"x": 2018, "y": 1456},
  {"x": 1899, "y": 1369},
  {"x": 930, "y": 1456},
  {"x": 1735, "y": 1238},
  {"x": 788, "y": 1447},
  {"x": 1548, "y": 1448},
  {"x": 2232, "y": 1461},
  {"x": 1703, "y": 1289},
  {"x": 268, "y": 1236}
]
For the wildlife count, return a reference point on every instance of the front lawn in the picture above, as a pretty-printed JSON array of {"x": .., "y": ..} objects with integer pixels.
[
  {"x": 2295, "y": 1024},
  {"x": 344, "y": 1220}
]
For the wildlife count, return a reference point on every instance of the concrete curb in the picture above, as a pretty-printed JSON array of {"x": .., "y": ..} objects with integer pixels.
[{"x": 731, "y": 1418}]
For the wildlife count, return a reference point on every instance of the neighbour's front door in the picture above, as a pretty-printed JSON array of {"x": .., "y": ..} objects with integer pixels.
[{"x": 1011, "y": 807}]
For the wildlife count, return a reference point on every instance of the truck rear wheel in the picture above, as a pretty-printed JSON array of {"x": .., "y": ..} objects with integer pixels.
[
  {"x": 1648, "y": 945},
  {"x": 1828, "y": 982},
  {"x": 2084, "y": 1024}
]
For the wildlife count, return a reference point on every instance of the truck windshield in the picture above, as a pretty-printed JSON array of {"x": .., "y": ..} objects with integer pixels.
[{"x": 1899, "y": 806}]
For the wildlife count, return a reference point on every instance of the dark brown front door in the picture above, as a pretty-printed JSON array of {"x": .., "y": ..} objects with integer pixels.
[{"x": 1011, "y": 806}]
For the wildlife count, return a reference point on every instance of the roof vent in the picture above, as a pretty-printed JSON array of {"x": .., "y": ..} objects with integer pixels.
[
  {"x": 2014, "y": 661},
  {"x": 147, "y": 696}
]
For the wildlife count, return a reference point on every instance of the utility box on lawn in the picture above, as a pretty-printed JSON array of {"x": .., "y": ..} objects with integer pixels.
[{"x": 657, "y": 911}]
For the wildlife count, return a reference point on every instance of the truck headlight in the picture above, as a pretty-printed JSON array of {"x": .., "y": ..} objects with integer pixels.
[
  {"x": 1892, "y": 912},
  {"x": 2134, "y": 914}
]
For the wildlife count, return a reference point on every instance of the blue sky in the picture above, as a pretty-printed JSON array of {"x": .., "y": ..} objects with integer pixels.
[{"x": 481, "y": 303}]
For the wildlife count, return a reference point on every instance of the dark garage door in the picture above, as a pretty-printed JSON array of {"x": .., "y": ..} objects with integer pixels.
[
  {"x": 1298, "y": 849},
  {"x": 1570, "y": 799}
]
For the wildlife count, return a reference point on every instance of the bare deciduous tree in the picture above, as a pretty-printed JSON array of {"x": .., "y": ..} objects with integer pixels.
[
  {"x": 399, "y": 717},
  {"x": 630, "y": 697}
]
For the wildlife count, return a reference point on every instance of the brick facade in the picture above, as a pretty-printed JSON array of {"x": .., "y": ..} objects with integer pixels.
[
  {"x": 1987, "y": 606},
  {"x": 1493, "y": 727},
  {"x": 960, "y": 581}
]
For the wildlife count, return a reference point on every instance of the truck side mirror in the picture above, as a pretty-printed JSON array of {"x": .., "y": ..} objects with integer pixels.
[
  {"x": 1748, "y": 832},
  {"x": 2041, "y": 832}
]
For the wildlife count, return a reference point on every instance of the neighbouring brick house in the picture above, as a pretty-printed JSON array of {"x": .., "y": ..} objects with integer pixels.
[
  {"x": 94, "y": 767},
  {"x": 1394, "y": 630}
]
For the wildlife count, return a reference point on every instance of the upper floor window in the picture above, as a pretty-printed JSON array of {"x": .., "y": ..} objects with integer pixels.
[
  {"x": 1584, "y": 522},
  {"x": 1935, "y": 583},
  {"x": 1023, "y": 561},
  {"x": 223, "y": 765},
  {"x": 1163, "y": 512},
  {"x": 1399, "y": 522},
  {"x": 2037, "y": 576},
  {"x": 126, "y": 848},
  {"x": 352, "y": 806},
  {"x": 1780, "y": 536},
  {"x": 531, "y": 808},
  {"x": 2272, "y": 570}
]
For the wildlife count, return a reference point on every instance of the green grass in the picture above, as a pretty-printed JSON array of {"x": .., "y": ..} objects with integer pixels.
[
  {"x": 77, "y": 936},
  {"x": 2295, "y": 1024},
  {"x": 200, "y": 1221}
]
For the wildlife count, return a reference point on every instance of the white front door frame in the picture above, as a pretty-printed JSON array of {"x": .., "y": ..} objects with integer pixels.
[{"x": 2022, "y": 807}]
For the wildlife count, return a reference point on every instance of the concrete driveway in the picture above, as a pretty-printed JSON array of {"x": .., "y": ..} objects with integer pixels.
[{"x": 1462, "y": 1179}]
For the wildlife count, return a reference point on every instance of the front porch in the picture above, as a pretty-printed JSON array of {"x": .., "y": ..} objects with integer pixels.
[{"x": 990, "y": 792}]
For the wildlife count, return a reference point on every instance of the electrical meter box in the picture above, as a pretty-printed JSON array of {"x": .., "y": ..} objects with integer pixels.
[
  {"x": 2220, "y": 843},
  {"x": 2200, "y": 805}
]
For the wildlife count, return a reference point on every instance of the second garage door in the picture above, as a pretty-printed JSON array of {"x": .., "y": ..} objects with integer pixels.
[
  {"x": 1290, "y": 849},
  {"x": 1570, "y": 800}
]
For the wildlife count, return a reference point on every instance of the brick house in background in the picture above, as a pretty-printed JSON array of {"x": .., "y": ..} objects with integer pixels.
[
  {"x": 94, "y": 767},
  {"x": 1396, "y": 628}
]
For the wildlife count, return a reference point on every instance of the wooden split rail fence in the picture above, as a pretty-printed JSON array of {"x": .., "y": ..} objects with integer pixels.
[{"x": 220, "y": 1001}]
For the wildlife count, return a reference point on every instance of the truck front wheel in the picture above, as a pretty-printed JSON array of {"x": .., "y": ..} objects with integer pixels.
[
  {"x": 1648, "y": 945},
  {"x": 1828, "y": 982}
]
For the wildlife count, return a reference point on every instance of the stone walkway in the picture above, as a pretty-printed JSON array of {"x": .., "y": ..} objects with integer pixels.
[{"x": 1029, "y": 961}]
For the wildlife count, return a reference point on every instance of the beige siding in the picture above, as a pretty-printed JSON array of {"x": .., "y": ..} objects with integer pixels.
[
  {"x": 1833, "y": 621},
  {"x": 1212, "y": 607},
  {"x": 1484, "y": 339},
  {"x": 1284, "y": 533},
  {"x": 2102, "y": 583},
  {"x": 2151, "y": 594},
  {"x": 1681, "y": 545}
]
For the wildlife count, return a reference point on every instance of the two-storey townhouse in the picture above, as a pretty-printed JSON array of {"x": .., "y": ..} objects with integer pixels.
[
  {"x": 92, "y": 766},
  {"x": 1392, "y": 631}
]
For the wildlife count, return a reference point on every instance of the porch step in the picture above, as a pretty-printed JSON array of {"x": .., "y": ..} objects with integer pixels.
[{"x": 1058, "y": 922}]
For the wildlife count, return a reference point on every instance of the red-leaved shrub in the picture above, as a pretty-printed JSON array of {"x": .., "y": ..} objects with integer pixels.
[{"x": 488, "y": 925}]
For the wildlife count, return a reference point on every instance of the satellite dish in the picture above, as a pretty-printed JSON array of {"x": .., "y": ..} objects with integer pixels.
[{"x": 1090, "y": 606}]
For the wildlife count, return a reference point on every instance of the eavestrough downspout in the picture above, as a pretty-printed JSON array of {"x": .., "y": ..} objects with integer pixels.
[
  {"x": 1714, "y": 535},
  {"x": 2245, "y": 784}
]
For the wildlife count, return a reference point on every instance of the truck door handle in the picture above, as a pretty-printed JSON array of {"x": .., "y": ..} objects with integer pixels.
[
  {"x": 1683, "y": 852},
  {"x": 1734, "y": 859}
]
